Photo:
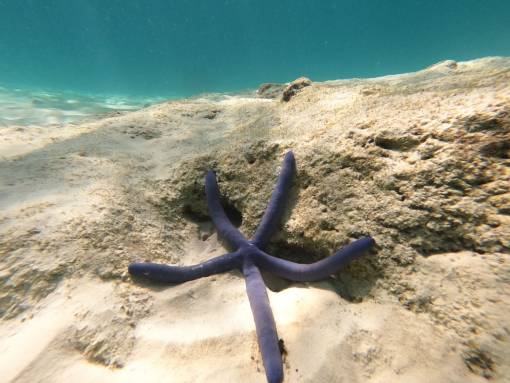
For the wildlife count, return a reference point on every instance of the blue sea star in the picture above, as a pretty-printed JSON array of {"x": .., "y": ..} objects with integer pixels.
[{"x": 249, "y": 257}]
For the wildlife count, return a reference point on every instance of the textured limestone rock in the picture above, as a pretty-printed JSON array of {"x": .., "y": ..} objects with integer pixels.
[{"x": 425, "y": 172}]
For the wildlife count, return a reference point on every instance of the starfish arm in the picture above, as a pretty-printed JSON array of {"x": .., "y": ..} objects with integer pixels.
[
  {"x": 178, "y": 274},
  {"x": 276, "y": 207},
  {"x": 318, "y": 270},
  {"x": 264, "y": 323},
  {"x": 223, "y": 225}
]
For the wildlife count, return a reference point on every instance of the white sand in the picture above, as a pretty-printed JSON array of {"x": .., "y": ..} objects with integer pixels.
[{"x": 203, "y": 331}]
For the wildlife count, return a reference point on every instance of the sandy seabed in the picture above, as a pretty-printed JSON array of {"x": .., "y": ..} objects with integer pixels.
[{"x": 418, "y": 160}]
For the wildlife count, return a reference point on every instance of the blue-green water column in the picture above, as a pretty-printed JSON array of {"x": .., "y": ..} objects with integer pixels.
[{"x": 177, "y": 48}]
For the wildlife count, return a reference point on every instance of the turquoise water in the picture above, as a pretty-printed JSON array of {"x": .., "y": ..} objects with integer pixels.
[{"x": 163, "y": 48}]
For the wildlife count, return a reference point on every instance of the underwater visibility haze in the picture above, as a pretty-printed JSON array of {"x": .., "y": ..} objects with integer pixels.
[{"x": 182, "y": 48}]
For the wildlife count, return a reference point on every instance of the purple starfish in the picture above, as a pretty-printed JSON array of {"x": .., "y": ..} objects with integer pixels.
[{"x": 249, "y": 258}]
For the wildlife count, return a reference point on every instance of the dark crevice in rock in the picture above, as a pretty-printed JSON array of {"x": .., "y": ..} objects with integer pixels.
[
  {"x": 295, "y": 252},
  {"x": 194, "y": 215},
  {"x": 497, "y": 149},
  {"x": 390, "y": 142},
  {"x": 197, "y": 216}
]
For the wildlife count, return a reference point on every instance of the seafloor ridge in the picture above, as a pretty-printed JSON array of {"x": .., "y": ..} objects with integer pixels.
[{"x": 419, "y": 161}]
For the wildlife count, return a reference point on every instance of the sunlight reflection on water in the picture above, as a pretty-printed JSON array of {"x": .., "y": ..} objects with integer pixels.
[{"x": 41, "y": 108}]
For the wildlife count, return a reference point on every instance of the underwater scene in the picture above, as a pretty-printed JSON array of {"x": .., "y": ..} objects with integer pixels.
[{"x": 254, "y": 191}]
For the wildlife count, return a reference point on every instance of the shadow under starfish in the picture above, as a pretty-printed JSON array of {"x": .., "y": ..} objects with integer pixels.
[{"x": 249, "y": 257}]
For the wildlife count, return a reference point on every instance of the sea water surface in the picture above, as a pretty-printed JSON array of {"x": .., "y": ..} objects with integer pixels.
[{"x": 75, "y": 57}]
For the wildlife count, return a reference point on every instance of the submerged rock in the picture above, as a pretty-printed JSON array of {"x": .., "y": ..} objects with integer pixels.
[
  {"x": 294, "y": 87},
  {"x": 271, "y": 90}
]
